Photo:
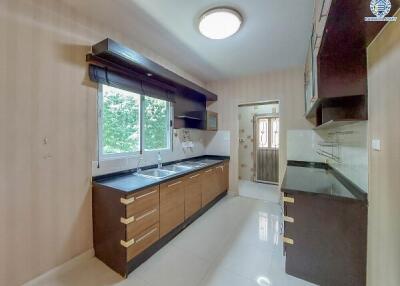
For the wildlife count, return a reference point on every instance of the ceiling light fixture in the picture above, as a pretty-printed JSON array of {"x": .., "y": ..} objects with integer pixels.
[{"x": 220, "y": 23}]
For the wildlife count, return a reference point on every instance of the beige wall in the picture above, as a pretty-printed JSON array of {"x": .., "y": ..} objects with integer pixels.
[
  {"x": 45, "y": 197},
  {"x": 384, "y": 166},
  {"x": 287, "y": 86}
]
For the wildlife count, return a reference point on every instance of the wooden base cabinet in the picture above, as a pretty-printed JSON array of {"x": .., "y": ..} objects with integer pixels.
[
  {"x": 325, "y": 239},
  {"x": 122, "y": 224},
  {"x": 129, "y": 228}
]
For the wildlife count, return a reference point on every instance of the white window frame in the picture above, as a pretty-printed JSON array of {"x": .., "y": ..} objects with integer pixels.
[{"x": 104, "y": 157}]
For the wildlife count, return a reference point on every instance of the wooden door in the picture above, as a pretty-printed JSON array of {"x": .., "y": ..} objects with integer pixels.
[
  {"x": 172, "y": 205},
  {"x": 193, "y": 193}
]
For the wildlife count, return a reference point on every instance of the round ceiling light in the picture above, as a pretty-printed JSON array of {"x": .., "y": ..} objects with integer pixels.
[{"x": 220, "y": 23}]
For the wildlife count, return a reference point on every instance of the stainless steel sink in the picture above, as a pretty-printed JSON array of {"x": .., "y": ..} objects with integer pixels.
[
  {"x": 156, "y": 173},
  {"x": 177, "y": 168}
]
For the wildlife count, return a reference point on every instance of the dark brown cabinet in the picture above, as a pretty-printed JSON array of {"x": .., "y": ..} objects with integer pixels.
[
  {"x": 129, "y": 227},
  {"x": 340, "y": 75},
  {"x": 325, "y": 239}
]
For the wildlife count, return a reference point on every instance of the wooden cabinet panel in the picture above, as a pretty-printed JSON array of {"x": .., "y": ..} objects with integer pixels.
[
  {"x": 142, "y": 201},
  {"x": 193, "y": 194},
  {"x": 329, "y": 240},
  {"x": 209, "y": 186},
  {"x": 143, "y": 240},
  {"x": 226, "y": 176},
  {"x": 141, "y": 222},
  {"x": 172, "y": 205},
  {"x": 219, "y": 173}
]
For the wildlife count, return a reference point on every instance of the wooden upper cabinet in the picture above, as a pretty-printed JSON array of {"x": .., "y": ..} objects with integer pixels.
[
  {"x": 172, "y": 205},
  {"x": 193, "y": 183}
]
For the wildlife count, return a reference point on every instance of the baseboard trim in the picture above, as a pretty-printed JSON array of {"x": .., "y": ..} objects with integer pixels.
[{"x": 61, "y": 268}]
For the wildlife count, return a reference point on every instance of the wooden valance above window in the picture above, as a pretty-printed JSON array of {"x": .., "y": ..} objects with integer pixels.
[
  {"x": 114, "y": 64},
  {"x": 131, "y": 82}
]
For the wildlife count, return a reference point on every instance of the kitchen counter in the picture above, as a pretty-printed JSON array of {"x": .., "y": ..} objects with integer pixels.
[
  {"x": 319, "y": 179},
  {"x": 129, "y": 182}
]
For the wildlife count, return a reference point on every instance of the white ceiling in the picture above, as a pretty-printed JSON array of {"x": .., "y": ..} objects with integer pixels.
[{"x": 274, "y": 35}]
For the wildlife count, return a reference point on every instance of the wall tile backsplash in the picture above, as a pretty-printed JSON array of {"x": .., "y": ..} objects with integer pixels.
[{"x": 349, "y": 145}]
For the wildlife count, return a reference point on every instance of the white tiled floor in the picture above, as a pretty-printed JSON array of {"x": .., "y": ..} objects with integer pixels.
[
  {"x": 265, "y": 192},
  {"x": 236, "y": 243}
]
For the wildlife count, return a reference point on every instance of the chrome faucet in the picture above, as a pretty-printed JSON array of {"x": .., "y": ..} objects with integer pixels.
[
  {"x": 159, "y": 159},
  {"x": 138, "y": 169}
]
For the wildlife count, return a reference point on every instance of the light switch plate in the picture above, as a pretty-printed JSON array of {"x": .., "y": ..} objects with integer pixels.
[{"x": 376, "y": 144}]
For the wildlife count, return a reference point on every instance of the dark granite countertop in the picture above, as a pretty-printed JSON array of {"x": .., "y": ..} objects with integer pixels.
[
  {"x": 128, "y": 182},
  {"x": 319, "y": 179}
]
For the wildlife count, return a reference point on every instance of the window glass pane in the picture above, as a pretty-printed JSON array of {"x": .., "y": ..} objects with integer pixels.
[
  {"x": 156, "y": 124},
  {"x": 275, "y": 133},
  {"x": 121, "y": 117},
  {"x": 263, "y": 132}
]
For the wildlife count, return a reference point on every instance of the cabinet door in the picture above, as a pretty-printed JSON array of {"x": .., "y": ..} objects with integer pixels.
[
  {"x": 220, "y": 174},
  {"x": 172, "y": 205},
  {"x": 209, "y": 186},
  {"x": 226, "y": 176},
  {"x": 193, "y": 194}
]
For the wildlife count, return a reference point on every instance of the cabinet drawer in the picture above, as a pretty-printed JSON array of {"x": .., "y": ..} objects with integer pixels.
[
  {"x": 142, "y": 201},
  {"x": 142, "y": 241},
  {"x": 141, "y": 222}
]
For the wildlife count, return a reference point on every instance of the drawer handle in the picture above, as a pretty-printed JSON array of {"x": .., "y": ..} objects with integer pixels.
[
  {"x": 192, "y": 177},
  {"x": 288, "y": 200},
  {"x": 146, "y": 214},
  {"x": 288, "y": 219},
  {"x": 127, "y": 220},
  {"x": 174, "y": 184},
  {"x": 128, "y": 243},
  {"x": 208, "y": 171},
  {"x": 146, "y": 235},
  {"x": 127, "y": 201},
  {"x": 287, "y": 240},
  {"x": 145, "y": 195}
]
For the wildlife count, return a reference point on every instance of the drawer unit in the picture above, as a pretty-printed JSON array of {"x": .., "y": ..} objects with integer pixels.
[
  {"x": 141, "y": 201},
  {"x": 141, "y": 241},
  {"x": 142, "y": 221}
]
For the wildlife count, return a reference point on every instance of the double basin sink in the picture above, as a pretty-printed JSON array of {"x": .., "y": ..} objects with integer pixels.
[{"x": 174, "y": 169}]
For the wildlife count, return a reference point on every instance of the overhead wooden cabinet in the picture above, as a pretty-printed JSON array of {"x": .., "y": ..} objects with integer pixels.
[{"x": 172, "y": 205}]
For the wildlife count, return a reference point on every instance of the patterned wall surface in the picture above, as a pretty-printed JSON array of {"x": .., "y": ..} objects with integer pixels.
[
  {"x": 45, "y": 185},
  {"x": 247, "y": 154}
]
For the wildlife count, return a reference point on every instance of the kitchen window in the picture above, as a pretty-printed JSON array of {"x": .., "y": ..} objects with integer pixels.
[{"x": 130, "y": 123}]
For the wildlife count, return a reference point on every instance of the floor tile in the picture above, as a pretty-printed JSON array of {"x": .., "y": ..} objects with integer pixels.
[
  {"x": 174, "y": 267},
  {"x": 236, "y": 242}
]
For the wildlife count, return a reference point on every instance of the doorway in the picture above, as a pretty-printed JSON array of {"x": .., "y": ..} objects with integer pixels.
[{"x": 259, "y": 150}]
